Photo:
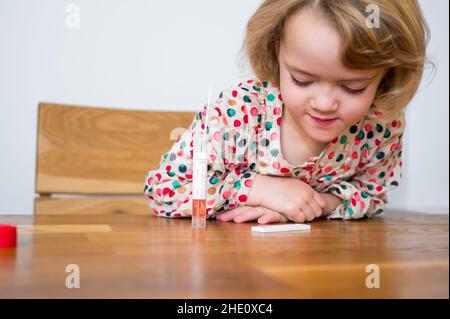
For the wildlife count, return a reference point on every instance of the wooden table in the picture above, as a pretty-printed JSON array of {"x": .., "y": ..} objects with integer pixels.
[{"x": 127, "y": 256}]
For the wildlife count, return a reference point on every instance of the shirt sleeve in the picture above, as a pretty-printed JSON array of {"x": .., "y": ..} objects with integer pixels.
[
  {"x": 365, "y": 193},
  {"x": 169, "y": 188}
]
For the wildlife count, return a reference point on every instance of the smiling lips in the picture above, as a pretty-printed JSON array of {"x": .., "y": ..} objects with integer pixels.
[{"x": 323, "y": 122}]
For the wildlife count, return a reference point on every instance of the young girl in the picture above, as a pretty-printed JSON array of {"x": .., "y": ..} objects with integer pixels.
[{"x": 318, "y": 132}]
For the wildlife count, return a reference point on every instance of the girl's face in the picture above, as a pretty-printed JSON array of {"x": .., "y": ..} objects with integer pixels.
[{"x": 315, "y": 85}]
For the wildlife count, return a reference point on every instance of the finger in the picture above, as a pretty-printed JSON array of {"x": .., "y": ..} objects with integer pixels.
[
  {"x": 300, "y": 218},
  {"x": 317, "y": 210},
  {"x": 319, "y": 199},
  {"x": 309, "y": 212},
  {"x": 282, "y": 217},
  {"x": 252, "y": 213},
  {"x": 272, "y": 217},
  {"x": 268, "y": 218},
  {"x": 230, "y": 214}
]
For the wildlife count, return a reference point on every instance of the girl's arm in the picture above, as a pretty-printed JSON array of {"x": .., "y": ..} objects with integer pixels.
[
  {"x": 332, "y": 202},
  {"x": 365, "y": 193},
  {"x": 169, "y": 188},
  {"x": 261, "y": 190}
]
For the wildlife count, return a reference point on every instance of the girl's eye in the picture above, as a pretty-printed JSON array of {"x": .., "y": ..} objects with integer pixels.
[
  {"x": 354, "y": 92},
  {"x": 300, "y": 83},
  {"x": 345, "y": 88}
]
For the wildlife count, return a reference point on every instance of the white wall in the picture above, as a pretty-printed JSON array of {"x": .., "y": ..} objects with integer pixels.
[
  {"x": 428, "y": 119},
  {"x": 150, "y": 54}
]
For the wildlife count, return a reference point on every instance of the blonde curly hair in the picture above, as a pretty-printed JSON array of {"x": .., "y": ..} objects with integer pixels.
[{"x": 398, "y": 44}]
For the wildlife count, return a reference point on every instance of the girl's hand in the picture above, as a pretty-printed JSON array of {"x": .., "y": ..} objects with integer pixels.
[
  {"x": 249, "y": 213},
  {"x": 291, "y": 197}
]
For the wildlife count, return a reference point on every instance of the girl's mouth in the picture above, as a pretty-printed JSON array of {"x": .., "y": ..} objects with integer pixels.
[{"x": 323, "y": 122}]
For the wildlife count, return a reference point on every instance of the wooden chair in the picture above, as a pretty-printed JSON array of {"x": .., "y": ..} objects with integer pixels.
[{"x": 86, "y": 156}]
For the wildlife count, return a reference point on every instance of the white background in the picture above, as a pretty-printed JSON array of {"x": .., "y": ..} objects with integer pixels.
[{"x": 149, "y": 55}]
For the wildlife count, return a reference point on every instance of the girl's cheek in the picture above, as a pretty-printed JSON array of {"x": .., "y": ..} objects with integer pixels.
[
  {"x": 294, "y": 99},
  {"x": 353, "y": 111}
]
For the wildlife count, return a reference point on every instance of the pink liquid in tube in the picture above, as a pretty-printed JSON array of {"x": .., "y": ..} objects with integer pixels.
[{"x": 199, "y": 213}]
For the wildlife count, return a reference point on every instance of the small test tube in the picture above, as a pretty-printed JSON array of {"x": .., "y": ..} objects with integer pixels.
[
  {"x": 199, "y": 177},
  {"x": 199, "y": 186}
]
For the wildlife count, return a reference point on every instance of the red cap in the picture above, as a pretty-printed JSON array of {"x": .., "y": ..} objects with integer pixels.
[{"x": 8, "y": 236}]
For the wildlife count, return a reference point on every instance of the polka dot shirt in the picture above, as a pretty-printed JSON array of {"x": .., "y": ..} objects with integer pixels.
[{"x": 360, "y": 166}]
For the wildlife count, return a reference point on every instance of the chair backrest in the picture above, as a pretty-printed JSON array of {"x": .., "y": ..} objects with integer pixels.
[{"x": 92, "y": 153}]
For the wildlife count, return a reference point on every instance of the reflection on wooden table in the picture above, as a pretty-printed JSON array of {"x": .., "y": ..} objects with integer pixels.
[{"x": 128, "y": 256}]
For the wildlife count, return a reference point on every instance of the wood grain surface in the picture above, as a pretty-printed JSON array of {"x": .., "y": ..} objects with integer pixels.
[
  {"x": 135, "y": 256},
  {"x": 91, "y": 150}
]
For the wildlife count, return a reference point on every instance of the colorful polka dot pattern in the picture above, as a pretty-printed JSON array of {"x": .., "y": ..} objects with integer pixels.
[{"x": 360, "y": 166}]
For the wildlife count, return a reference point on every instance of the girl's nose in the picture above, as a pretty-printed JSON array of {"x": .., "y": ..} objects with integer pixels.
[{"x": 325, "y": 104}]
